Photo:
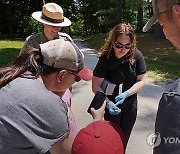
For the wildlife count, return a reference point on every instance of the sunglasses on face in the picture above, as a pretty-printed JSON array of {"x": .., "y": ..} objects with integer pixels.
[
  {"x": 120, "y": 45},
  {"x": 77, "y": 78}
]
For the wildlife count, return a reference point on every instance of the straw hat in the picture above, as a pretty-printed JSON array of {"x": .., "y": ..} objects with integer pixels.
[{"x": 51, "y": 14}]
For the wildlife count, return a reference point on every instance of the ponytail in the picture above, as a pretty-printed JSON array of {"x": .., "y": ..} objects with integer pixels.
[{"x": 28, "y": 62}]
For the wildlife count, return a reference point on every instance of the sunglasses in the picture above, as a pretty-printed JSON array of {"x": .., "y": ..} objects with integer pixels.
[
  {"x": 120, "y": 45},
  {"x": 77, "y": 78}
]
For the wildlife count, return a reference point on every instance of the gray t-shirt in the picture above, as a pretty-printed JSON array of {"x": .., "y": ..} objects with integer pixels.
[{"x": 32, "y": 118}]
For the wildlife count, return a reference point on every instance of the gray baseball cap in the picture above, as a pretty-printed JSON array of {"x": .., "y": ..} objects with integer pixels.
[
  {"x": 159, "y": 6},
  {"x": 64, "y": 54}
]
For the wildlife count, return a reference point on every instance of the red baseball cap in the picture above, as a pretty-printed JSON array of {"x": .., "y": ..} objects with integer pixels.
[
  {"x": 99, "y": 137},
  {"x": 85, "y": 74}
]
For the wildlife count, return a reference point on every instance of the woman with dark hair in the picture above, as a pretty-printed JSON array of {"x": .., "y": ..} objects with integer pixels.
[
  {"x": 33, "y": 119},
  {"x": 53, "y": 20},
  {"x": 121, "y": 64}
]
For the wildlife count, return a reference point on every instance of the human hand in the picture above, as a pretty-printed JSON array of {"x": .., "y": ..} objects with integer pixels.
[
  {"x": 113, "y": 109},
  {"x": 98, "y": 114},
  {"x": 121, "y": 97}
]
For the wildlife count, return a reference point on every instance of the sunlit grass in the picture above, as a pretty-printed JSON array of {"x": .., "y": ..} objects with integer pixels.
[
  {"x": 9, "y": 50},
  {"x": 162, "y": 58},
  {"x": 10, "y": 44}
]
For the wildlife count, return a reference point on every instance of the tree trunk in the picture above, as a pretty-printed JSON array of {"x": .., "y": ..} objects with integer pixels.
[
  {"x": 10, "y": 24},
  {"x": 140, "y": 19},
  {"x": 119, "y": 11}
]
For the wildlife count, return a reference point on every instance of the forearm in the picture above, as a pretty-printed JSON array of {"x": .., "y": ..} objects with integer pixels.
[
  {"x": 137, "y": 86},
  {"x": 96, "y": 88},
  {"x": 64, "y": 146},
  {"x": 96, "y": 84}
]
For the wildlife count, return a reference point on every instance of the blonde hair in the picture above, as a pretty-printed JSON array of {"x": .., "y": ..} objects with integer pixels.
[{"x": 121, "y": 28}]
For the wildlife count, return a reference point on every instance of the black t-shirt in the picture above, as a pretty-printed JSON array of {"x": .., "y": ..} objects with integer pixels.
[{"x": 119, "y": 72}]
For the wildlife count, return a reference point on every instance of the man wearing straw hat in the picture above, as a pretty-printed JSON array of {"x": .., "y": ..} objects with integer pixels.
[{"x": 52, "y": 18}]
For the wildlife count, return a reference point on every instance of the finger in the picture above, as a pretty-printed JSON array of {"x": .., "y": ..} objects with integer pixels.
[
  {"x": 104, "y": 105},
  {"x": 119, "y": 110},
  {"x": 115, "y": 112},
  {"x": 119, "y": 102},
  {"x": 97, "y": 114},
  {"x": 92, "y": 110},
  {"x": 108, "y": 104},
  {"x": 111, "y": 110},
  {"x": 118, "y": 98}
]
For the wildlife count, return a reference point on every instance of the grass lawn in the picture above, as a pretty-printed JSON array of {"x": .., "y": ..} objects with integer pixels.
[
  {"x": 9, "y": 50},
  {"x": 162, "y": 58}
]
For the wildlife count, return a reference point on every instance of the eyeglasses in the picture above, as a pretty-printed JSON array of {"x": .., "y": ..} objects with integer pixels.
[
  {"x": 120, "y": 45},
  {"x": 77, "y": 78}
]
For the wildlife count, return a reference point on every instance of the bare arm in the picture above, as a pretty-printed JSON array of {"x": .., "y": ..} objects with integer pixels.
[
  {"x": 64, "y": 146},
  {"x": 96, "y": 84},
  {"x": 140, "y": 81},
  {"x": 98, "y": 114}
]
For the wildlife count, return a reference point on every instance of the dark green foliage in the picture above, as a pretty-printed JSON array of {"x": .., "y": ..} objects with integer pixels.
[
  {"x": 8, "y": 55},
  {"x": 15, "y": 16},
  {"x": 87, "y": 16}
]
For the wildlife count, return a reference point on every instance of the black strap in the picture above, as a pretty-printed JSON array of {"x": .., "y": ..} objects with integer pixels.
[{"x": 52, "y": 20}]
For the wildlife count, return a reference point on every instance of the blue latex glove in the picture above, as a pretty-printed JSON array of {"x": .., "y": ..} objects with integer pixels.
[
  {"x": 113, "y": 109},
  {"x": 121, "y": 97}
]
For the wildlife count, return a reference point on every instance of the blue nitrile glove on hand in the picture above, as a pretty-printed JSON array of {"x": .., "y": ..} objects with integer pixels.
[
  {"x": 113, "y": 109},
  {"x": 121, "y": 97}
]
